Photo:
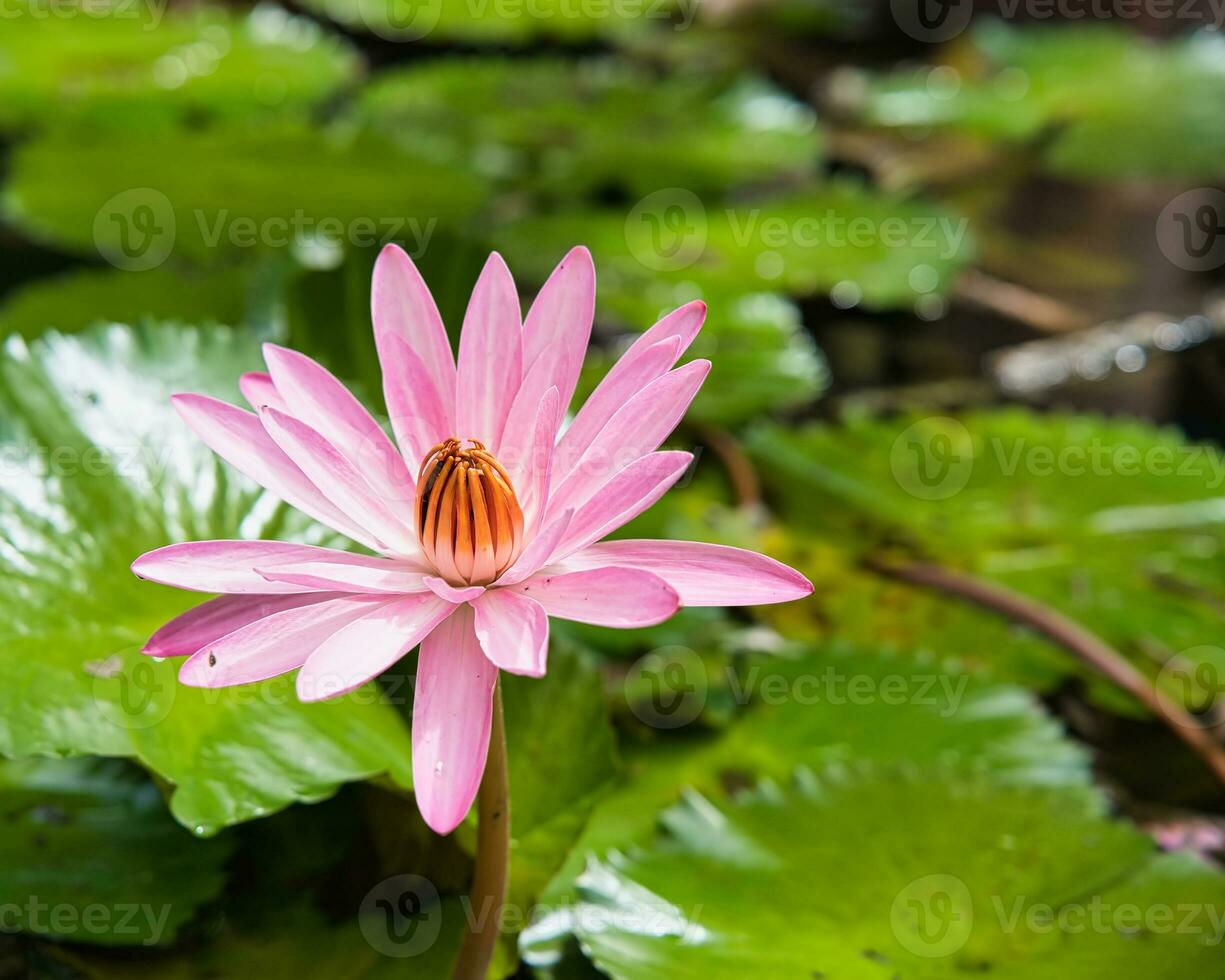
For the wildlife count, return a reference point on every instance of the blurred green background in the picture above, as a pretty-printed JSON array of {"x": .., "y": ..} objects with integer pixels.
[{"x": 961, "y": 262}]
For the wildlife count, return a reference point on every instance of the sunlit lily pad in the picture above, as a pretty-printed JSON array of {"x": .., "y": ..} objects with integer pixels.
[
  {"x": 98, "y": 469},
  {"x": 826, "y": 707},
  {"x": 825, "y": 880}
]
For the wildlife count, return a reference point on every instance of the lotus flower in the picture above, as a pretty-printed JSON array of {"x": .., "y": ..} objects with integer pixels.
[{"x": 484, "y": 517}]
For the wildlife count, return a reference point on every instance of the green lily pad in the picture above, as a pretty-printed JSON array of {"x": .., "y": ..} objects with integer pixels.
[
  {"x": 1115, "y": 104},
  {"x": 72, "y": 301},
  {"x": 90, "y": 854},
  {"x": 99, "y": 469},
  {"x": 122, "y": 64},
  {"x": 828, "y": 707},
  {"x": 976, "y": 878},
  {"x": 841, "y": 239},
  {"x": 503, "y": 21},
  {"x": 1115, "y": 523},
  {"x": 562, "y": 128},
  {"x": 140, "y": 199}
]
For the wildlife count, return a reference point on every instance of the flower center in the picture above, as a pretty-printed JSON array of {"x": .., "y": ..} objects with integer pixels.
[{"x": 468, "y": 517}]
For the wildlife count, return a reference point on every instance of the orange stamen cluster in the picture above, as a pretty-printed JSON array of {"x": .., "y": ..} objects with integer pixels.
[{"x": 468, "y": 518}]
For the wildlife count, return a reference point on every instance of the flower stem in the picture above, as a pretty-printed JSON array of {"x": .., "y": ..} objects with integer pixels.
[{"x": 492, "y": 854}]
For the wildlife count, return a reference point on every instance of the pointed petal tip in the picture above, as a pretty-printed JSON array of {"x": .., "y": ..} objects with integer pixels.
[
  {"x": 393, "y": 250},
  {"x": 495, "y": 258},
  {"x": 441, "y": 822}
]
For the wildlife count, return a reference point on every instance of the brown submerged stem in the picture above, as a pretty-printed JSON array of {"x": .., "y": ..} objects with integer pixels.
[
  {"x": 1070, "y": 635},
  {"x": 492, "y": 855}
]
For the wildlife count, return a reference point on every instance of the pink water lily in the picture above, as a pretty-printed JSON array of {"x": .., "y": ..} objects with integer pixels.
[{"x": 484, "y": 516}]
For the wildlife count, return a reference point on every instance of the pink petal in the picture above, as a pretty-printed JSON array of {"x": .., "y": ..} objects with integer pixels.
[
  {"x": 226, "y": 566},
  {"x": 452, "y": 712},
  {"x": 444, "y": 590},
  {"x": 703, "y": 574},
  {"x": 649, "y": 357},
  {"x": 539, "y": 551},
  {"x": 209, "y": 621},
  {"x": 273, "y": 645},
  {"x": 633, "y": 372},
  {"x": 420, "y": 413},
  {"x": 403, "y": 309},
  {"x": 348, "y": 573},
  {"x": 520, "y": 425},
  {"x": 315, "y": 397},
  {"x": 530, "y": 465},
  {"x": 239, "y": 438},
  {"x": 368, "y": 646},
  {"x": 340, "y": 481},
  {"x": 683, "y": 322},
  {"x": 639, "y": 427},
  {"x": 560, "y": 321},
  {"x": 620, "y": 597},
  {"x": 623, "y": 498},
  {"x": 513, "y": 630},
  {"x": 257, "y": 388},
  {"x": 490, "y": 355}
]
